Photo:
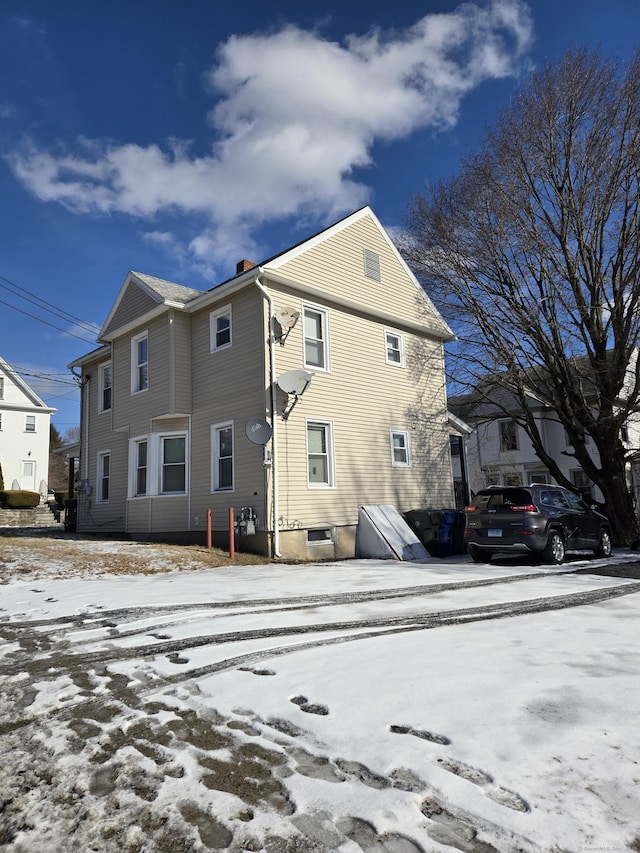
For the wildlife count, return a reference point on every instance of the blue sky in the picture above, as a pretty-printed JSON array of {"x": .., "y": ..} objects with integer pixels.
[{"x": 175, "y": 138}]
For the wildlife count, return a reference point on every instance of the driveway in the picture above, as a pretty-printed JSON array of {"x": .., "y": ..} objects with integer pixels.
[{"x": 356, "y": 706}]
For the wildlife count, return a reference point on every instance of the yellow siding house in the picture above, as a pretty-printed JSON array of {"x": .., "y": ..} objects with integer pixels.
[{"x": 304, "y": 387}]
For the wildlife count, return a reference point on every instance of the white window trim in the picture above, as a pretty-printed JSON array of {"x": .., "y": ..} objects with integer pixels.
[
  {"x": 161, "y": 436},
  {"x": 154, "y": 464},
  {"x": 213, "y": 316},
  {"x": 133, "y": 466},
  {"x": 99, "y": 469},
  {"x": 330, "y": 453},
  {"x": 510, "y": 427},
  {"x": 324, "y": 312},
  {"x": 407, "y": 447},
  {"x": 1, "y": 387},
  {"x": 134, "y": 362},
  {"x": 101, "y": 387},
  {"x": 395, "y": 334},
  {"x": 26, "y": 424},
  {"x": 215, "y": 480}
]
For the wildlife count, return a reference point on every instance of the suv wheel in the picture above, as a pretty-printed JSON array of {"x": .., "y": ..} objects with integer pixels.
[
  {"x": 604, "y": 545},
  {"x": 479, "y": 556},
  {"x": 554, "y": 552}
]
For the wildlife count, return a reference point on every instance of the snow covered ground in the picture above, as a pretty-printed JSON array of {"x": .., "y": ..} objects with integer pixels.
[{"x": 356, "y": 706}]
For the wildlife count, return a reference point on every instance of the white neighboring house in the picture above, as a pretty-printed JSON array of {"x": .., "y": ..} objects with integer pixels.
[
  {"x": 499, "y": 452},
  {"x": 24, "y": 434}
]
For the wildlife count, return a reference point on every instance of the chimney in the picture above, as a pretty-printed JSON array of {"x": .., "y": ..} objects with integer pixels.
[{"x": 243, "y": 266}]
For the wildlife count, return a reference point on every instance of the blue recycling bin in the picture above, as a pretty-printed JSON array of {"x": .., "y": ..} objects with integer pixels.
[{"x": 445, "y": 533}]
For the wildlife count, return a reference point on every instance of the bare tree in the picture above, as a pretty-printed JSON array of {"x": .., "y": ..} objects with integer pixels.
[{"x": 532, "y": 252}]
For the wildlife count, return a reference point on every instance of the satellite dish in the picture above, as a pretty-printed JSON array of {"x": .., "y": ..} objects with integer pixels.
[
  {"x": 295, "y": 381},
  {"x": 258, "y": 431},
  {"x": 287, "y": 317}
]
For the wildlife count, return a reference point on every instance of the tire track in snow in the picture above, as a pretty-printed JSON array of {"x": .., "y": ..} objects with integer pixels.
[
  {"x": 301, "y": 602},
  {"x": 65, "y": 662}
]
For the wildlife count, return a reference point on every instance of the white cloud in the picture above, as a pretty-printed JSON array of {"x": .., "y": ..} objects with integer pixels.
[{"x": 296, "y": 115}]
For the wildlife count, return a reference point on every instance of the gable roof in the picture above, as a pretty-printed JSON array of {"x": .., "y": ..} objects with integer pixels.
[
  {"x": 494, "y": 396},
  {"x": 439, "y": 326},
  {"x": 167, "y": 291},
  {"x": 143, "y": 297},
  {"x": 27, "y": 391}
]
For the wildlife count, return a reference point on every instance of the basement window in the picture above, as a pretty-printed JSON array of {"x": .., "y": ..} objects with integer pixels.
[{"x": 320, "y": 536}]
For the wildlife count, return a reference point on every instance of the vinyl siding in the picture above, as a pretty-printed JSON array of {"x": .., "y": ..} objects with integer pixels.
[
  {"x": 160, "y": 514},
  {"x": 182, "y": 362},
  {"x": 364, "y": 398},
  {"x": 229, "y": 385},
  {"x": 337, "y": 267},
  {"x": 134, "y": 303},
  {"x": 136, "y": 410},
  {"x": 92, "y": 514}
]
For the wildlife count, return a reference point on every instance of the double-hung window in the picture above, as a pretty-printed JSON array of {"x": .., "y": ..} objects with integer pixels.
[
  {"x": 105, "y": 387},
  {"x": 220, "y": 328},
  {"x": 140, "y": 363},
  {"x": 158, "y": 465},
  {"x": 394, "y": 348},
  {"x": 141, "y": 449},
  {"x": 400, "y": 457},
  {"x": 320, "y": 468},
  {"x": 104, "y": 476},
  {"x": 508, "y": 436},
  {"x": 30, "y": 423},
  {"x": 316, "y": 337},
  {"x": 222, "y": 456},
  {"x": 173, "y": 464},
  {"x": 1, "y": 387}
]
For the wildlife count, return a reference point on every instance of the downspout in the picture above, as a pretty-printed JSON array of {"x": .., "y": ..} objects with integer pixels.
[
  {"x": 274, "y": 443},
  {"x": 84, "y": 425},
  {"x": 84, "y": 437}
]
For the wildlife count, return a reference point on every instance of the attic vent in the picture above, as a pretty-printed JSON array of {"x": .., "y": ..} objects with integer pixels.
[
  {"x": 243, "y": 266},
  {"x": 372, "y": 265}
]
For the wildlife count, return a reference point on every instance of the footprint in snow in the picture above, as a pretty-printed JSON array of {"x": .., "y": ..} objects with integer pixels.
[
  {"x": 497, "y": 793},
  {"x": 365, "y": 835},
  {"x": 309, "y": 707},
  {"x": 452, "y": 830},
  {"x": 433, "y": 737},
  {"x": 257, "y": 671},
  {"x": 175, "y": 657}
]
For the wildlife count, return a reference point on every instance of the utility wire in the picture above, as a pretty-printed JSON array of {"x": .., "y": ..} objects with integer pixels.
[
  {"x": 40, "y": 320},
  {"x": 54, "y": 379},
  {"x": 39, "y": 301}
]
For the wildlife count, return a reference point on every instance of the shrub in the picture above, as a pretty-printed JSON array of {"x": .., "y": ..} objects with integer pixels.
[{"x": 19, "y": 499}]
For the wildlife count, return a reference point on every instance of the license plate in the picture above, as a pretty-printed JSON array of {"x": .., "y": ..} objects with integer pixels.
[{"x": 494, "y": 532}]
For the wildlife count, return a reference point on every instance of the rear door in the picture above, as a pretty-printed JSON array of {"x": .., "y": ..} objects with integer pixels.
[
  {"x": 587, "y": 522},
  {"x": 559, "y": 510}
]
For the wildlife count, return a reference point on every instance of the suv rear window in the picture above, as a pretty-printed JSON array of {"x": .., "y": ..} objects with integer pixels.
[{"x": 499, "y": 497}]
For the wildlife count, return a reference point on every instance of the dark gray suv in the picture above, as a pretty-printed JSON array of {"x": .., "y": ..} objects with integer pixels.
[{"x": 539, "y": 519}]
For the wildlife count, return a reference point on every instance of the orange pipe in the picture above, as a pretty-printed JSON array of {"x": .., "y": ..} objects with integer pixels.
[{"x": 232, "y": 538}]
